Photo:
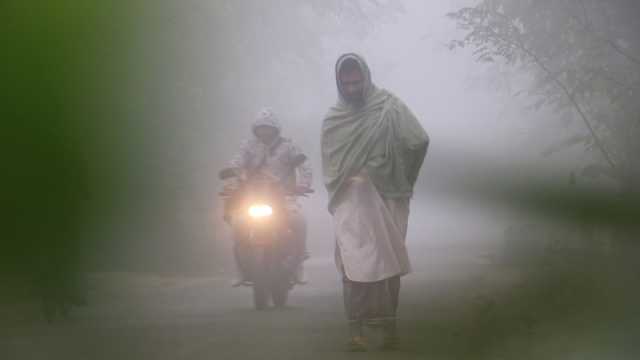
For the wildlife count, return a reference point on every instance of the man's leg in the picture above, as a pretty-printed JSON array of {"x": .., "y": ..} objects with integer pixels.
[
  {"x": 355, "y": 303},
  {"x": 390, "y": 340}
]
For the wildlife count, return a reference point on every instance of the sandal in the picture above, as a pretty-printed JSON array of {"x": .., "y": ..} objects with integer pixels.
[{"x": 357, "y": 344}]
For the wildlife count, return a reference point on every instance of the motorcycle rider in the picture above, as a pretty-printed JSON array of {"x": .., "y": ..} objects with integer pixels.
[{"x": 269, "y": 154}]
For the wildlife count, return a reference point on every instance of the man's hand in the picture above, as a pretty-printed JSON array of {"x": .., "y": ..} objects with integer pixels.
[{"x": 360, "y": 178}]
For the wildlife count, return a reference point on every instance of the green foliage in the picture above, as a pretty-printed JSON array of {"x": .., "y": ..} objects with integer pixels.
[{"x": 58, "y": 128}]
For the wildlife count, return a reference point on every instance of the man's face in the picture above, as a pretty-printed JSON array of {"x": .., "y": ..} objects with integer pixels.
[
  {"x": 352, "y": 85},
  {"x": 266, "y": 134}
]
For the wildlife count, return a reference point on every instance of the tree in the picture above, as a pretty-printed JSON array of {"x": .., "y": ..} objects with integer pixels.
[{"x": 582, "y": 56}]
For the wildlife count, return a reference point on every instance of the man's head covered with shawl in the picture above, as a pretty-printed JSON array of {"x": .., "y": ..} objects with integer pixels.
[{"x": 353, "y": 80}]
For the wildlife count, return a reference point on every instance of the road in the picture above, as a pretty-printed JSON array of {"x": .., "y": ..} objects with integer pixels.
[{"x": 145, "y": 316}]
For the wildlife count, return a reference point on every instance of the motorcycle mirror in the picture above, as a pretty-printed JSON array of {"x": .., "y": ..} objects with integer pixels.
[{"x": 227, "y": 173}]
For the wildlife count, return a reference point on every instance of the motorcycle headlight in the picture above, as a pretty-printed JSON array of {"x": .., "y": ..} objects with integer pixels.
[{"x": 260, "y": 211}]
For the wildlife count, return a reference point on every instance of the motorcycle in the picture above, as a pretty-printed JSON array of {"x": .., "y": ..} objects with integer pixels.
[{"x": 260, "y": 204}]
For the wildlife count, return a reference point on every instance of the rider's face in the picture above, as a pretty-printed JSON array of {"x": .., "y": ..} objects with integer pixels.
[
  {"x": 352, "y": 85},
  {"x": 266, "y": 134}
]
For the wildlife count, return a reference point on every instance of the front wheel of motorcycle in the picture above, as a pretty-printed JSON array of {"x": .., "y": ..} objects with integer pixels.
[
  {"x": 260, "y": 297},
  {"x": 260, "y": 280},
  {"x": 280, "y": 293}
]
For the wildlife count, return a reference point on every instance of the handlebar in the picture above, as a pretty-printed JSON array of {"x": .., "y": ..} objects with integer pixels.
[
  {"x": 302, "y": 192},
  {"x": 229, "y": 173}
]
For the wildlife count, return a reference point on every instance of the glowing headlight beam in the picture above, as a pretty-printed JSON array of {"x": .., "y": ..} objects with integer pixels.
[{"x": 260, "y": 211}]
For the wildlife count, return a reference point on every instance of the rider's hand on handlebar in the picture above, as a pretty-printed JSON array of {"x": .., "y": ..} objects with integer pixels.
[{"x": 301, "y": 190}]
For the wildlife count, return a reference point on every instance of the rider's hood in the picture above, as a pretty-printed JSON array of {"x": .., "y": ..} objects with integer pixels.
[{"x": 266, "y": 117}]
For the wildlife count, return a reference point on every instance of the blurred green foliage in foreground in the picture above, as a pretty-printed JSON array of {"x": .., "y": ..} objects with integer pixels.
[{"x": 59, "y": 135}]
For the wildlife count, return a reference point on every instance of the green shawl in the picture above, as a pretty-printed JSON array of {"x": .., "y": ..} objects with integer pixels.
[{"x": 380, "y": 136}]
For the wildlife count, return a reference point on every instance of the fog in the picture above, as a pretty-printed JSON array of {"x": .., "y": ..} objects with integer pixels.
[
  {"x": 514, "y": 224},
  {"x": 206, "y": 75}
]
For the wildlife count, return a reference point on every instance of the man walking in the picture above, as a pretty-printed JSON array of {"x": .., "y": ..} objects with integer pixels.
[{"x": 372, "y": 151}]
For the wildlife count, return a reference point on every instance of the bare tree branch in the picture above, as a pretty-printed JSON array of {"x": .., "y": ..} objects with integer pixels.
[
  {"x": 588, "y": 26},
  {"x": 559, "y": 83}
]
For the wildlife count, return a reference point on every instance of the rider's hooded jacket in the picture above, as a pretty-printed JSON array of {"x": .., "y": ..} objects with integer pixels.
[{"x": 275, "y": 160}]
